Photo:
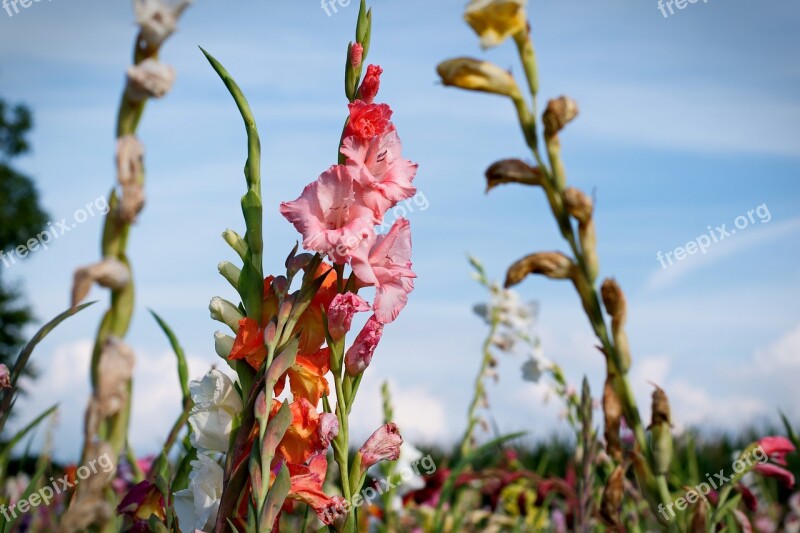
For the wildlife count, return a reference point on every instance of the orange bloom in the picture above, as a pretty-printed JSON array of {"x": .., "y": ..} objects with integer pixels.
[
  {"x": 307, "y": 377},
  {"x": 302, "y": 439},
  {"x": 312, "y": 331},
  {"x": 249, "y": 343}
]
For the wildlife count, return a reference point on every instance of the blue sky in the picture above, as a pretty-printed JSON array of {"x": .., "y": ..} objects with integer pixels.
[{"x": 686, "y": 122}]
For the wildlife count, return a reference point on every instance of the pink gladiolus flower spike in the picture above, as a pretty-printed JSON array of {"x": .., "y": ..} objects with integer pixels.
[
  {"x": 385, "y": 177},
  {"x": 388, "y": 267},
  {"x": 331, "y": 216}
]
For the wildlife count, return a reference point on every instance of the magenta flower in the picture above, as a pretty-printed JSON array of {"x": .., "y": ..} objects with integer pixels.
[
  {"x": 331, "y": 216},
  {"x": 383, "y": 445},
  {"x": 776, "y": 448},
  {"x": 341, "y": 312},
  {"x": 778, "y": 472},
  {"x": 388, "y": 267},
  {"x": 377, "y": 165},
  {"x": 359, "y": 355}
]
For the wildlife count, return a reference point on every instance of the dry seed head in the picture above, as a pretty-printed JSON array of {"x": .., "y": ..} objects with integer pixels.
[
  {"x": 512, "y": 171},
  {"x": 558, "y": 114},
  {"x": 612, "y": 410},
  {"x": 614, "y": 300},
  {"x": 612, "y": 496},
  {"x": 554, "y": 265},
  {"x": 661, "y": 411}
]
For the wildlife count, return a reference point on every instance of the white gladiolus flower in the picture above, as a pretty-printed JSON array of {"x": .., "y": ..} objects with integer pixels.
[
  {"x": 225, "y": 312},
  {"x": 197, "y": 505},
  {"x": 216, "y": 403},
  {"x": 149, "y": 79}
]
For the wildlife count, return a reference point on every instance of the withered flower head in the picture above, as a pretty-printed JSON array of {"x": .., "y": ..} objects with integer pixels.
[
  {"x": 512, "y": 171},
  {"x": 149, "y": 79},
  {"x": 578, "y": 204},
  {"x": 554, "y": 265},
  {"x": 612, "y": 496},
  {"x": 558, "y": 114},
  {"x": 496, "y": 20},
  {"x": 614, "y": 299},
  {"x": 661, "y": 412},
  {"x": 476, "y": 75},
  {"x": 110, "y": 273}
]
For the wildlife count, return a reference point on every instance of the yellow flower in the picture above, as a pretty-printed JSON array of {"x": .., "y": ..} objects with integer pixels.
[
  {"x": 475, "y": 75},
  {"x": 496, "y": 20}
]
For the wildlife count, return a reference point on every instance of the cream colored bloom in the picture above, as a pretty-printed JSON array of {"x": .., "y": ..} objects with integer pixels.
[
  {"x": 225, "y": 312},
  {"x": 157, "y": 19},
  {"x": 496, "y": 20},
  {"x": 216, "y": 403},
  {"x": 197, "y": 505},
  {"x": 475, "y": 75},
  {"x": 110, "y": 273}
]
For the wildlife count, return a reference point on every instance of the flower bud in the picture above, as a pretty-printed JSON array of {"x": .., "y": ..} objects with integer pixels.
[
  {"x": 554, "y": 265},
  {"x": 328, "y": 428},
  {"x": 496, "y": 20},
  {"x": 236, "y": 242},
  {"x": 475, "y": 75},
  {"x": 230, "y": 272},
  {"x": 225, "y": 312},
  {"x": 512, "y": 171},
  {"x": 223, "y": 344},
  {"x": 383, "y": 445},
  {"x": 359, "y": 355},
  {"x": 356, "y": 54},
  {"x": 341, "y": 312},
  {"x": 149, "y": 79},
  {"x": 371, "y": 84},
  {"x": 558, "y": 114}
]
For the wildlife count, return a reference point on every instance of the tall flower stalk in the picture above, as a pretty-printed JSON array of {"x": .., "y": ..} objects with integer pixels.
[
  {"x": 275, "y": 452},
  {"x": 108, "y": 411}
]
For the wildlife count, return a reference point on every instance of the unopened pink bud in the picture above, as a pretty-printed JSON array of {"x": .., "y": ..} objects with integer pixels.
[
  {"x": 383, "y": 445},
  {"x": 5, "y": 377},
  {"x": 356, "y": 55},
  {"x": 341, "y": 312},
  {"x": 359, "y": 356}
]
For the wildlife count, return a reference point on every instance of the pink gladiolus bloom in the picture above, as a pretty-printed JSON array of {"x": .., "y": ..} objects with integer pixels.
[
  {"x": 368, "y": 120},
  {"x": 341, "y": 312},
  {"x": 328, "y": 428},
  {"x": 359, "y": 355},
  {"x": 371, "y": 84},
  {"x": 356, "y": 54},
  {"x": 776, "y": 448},
  {"x": 383, "y": 445},
  {"x": 5, "y": 377},
  {"x": 330, "y": 215},
  {"x": 780, "y": 473},
  {"x": 377, "y": 165},
  {"x": 388, "y": 267}
]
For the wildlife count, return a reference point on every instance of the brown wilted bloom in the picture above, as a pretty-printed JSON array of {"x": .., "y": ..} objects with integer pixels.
[
  {"x": 558, "y": 114},
  {"x": 110, "y": 273},
  {"x": 512, "y": 171},
  {"x": 661, "y": 433},
  {"x": 578, "y": 204},
  {"x": 612, "y": 497},
  {"x": 115, "y": 370},
  {"x": 130, "y": 168},
  {"x": 149, "y": 79},
  {"x": 700, "y": 517},
  {"x": 612, "y": 411},
  {"x": 616, "y": 305},
  {"x": 383, "y": 445},
  {"x": 554, "y": 265},
  {"x": 476, "y": 75},
  {"x": 90, "y": 505},
  {"x": 5, "y": 377},
  {"x": 157, "y": 20}
]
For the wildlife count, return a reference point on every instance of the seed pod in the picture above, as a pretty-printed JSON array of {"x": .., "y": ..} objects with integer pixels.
[
  {"x": 512, "y": 171},
  {"x": 554, "y": 265}
]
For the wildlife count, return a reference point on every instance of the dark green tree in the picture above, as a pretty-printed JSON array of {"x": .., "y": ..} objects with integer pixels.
[{"x": 21, "y": 216}]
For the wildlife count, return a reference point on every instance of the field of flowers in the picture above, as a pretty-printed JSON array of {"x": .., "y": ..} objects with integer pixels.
[{"x": 264, "y": 442}]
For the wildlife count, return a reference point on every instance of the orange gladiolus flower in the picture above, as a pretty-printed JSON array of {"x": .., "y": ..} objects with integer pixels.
[
  {"x": 302, "y": 439},
  {"x": 249, "y": 343},
  {"x": 307, "y": 377}
]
